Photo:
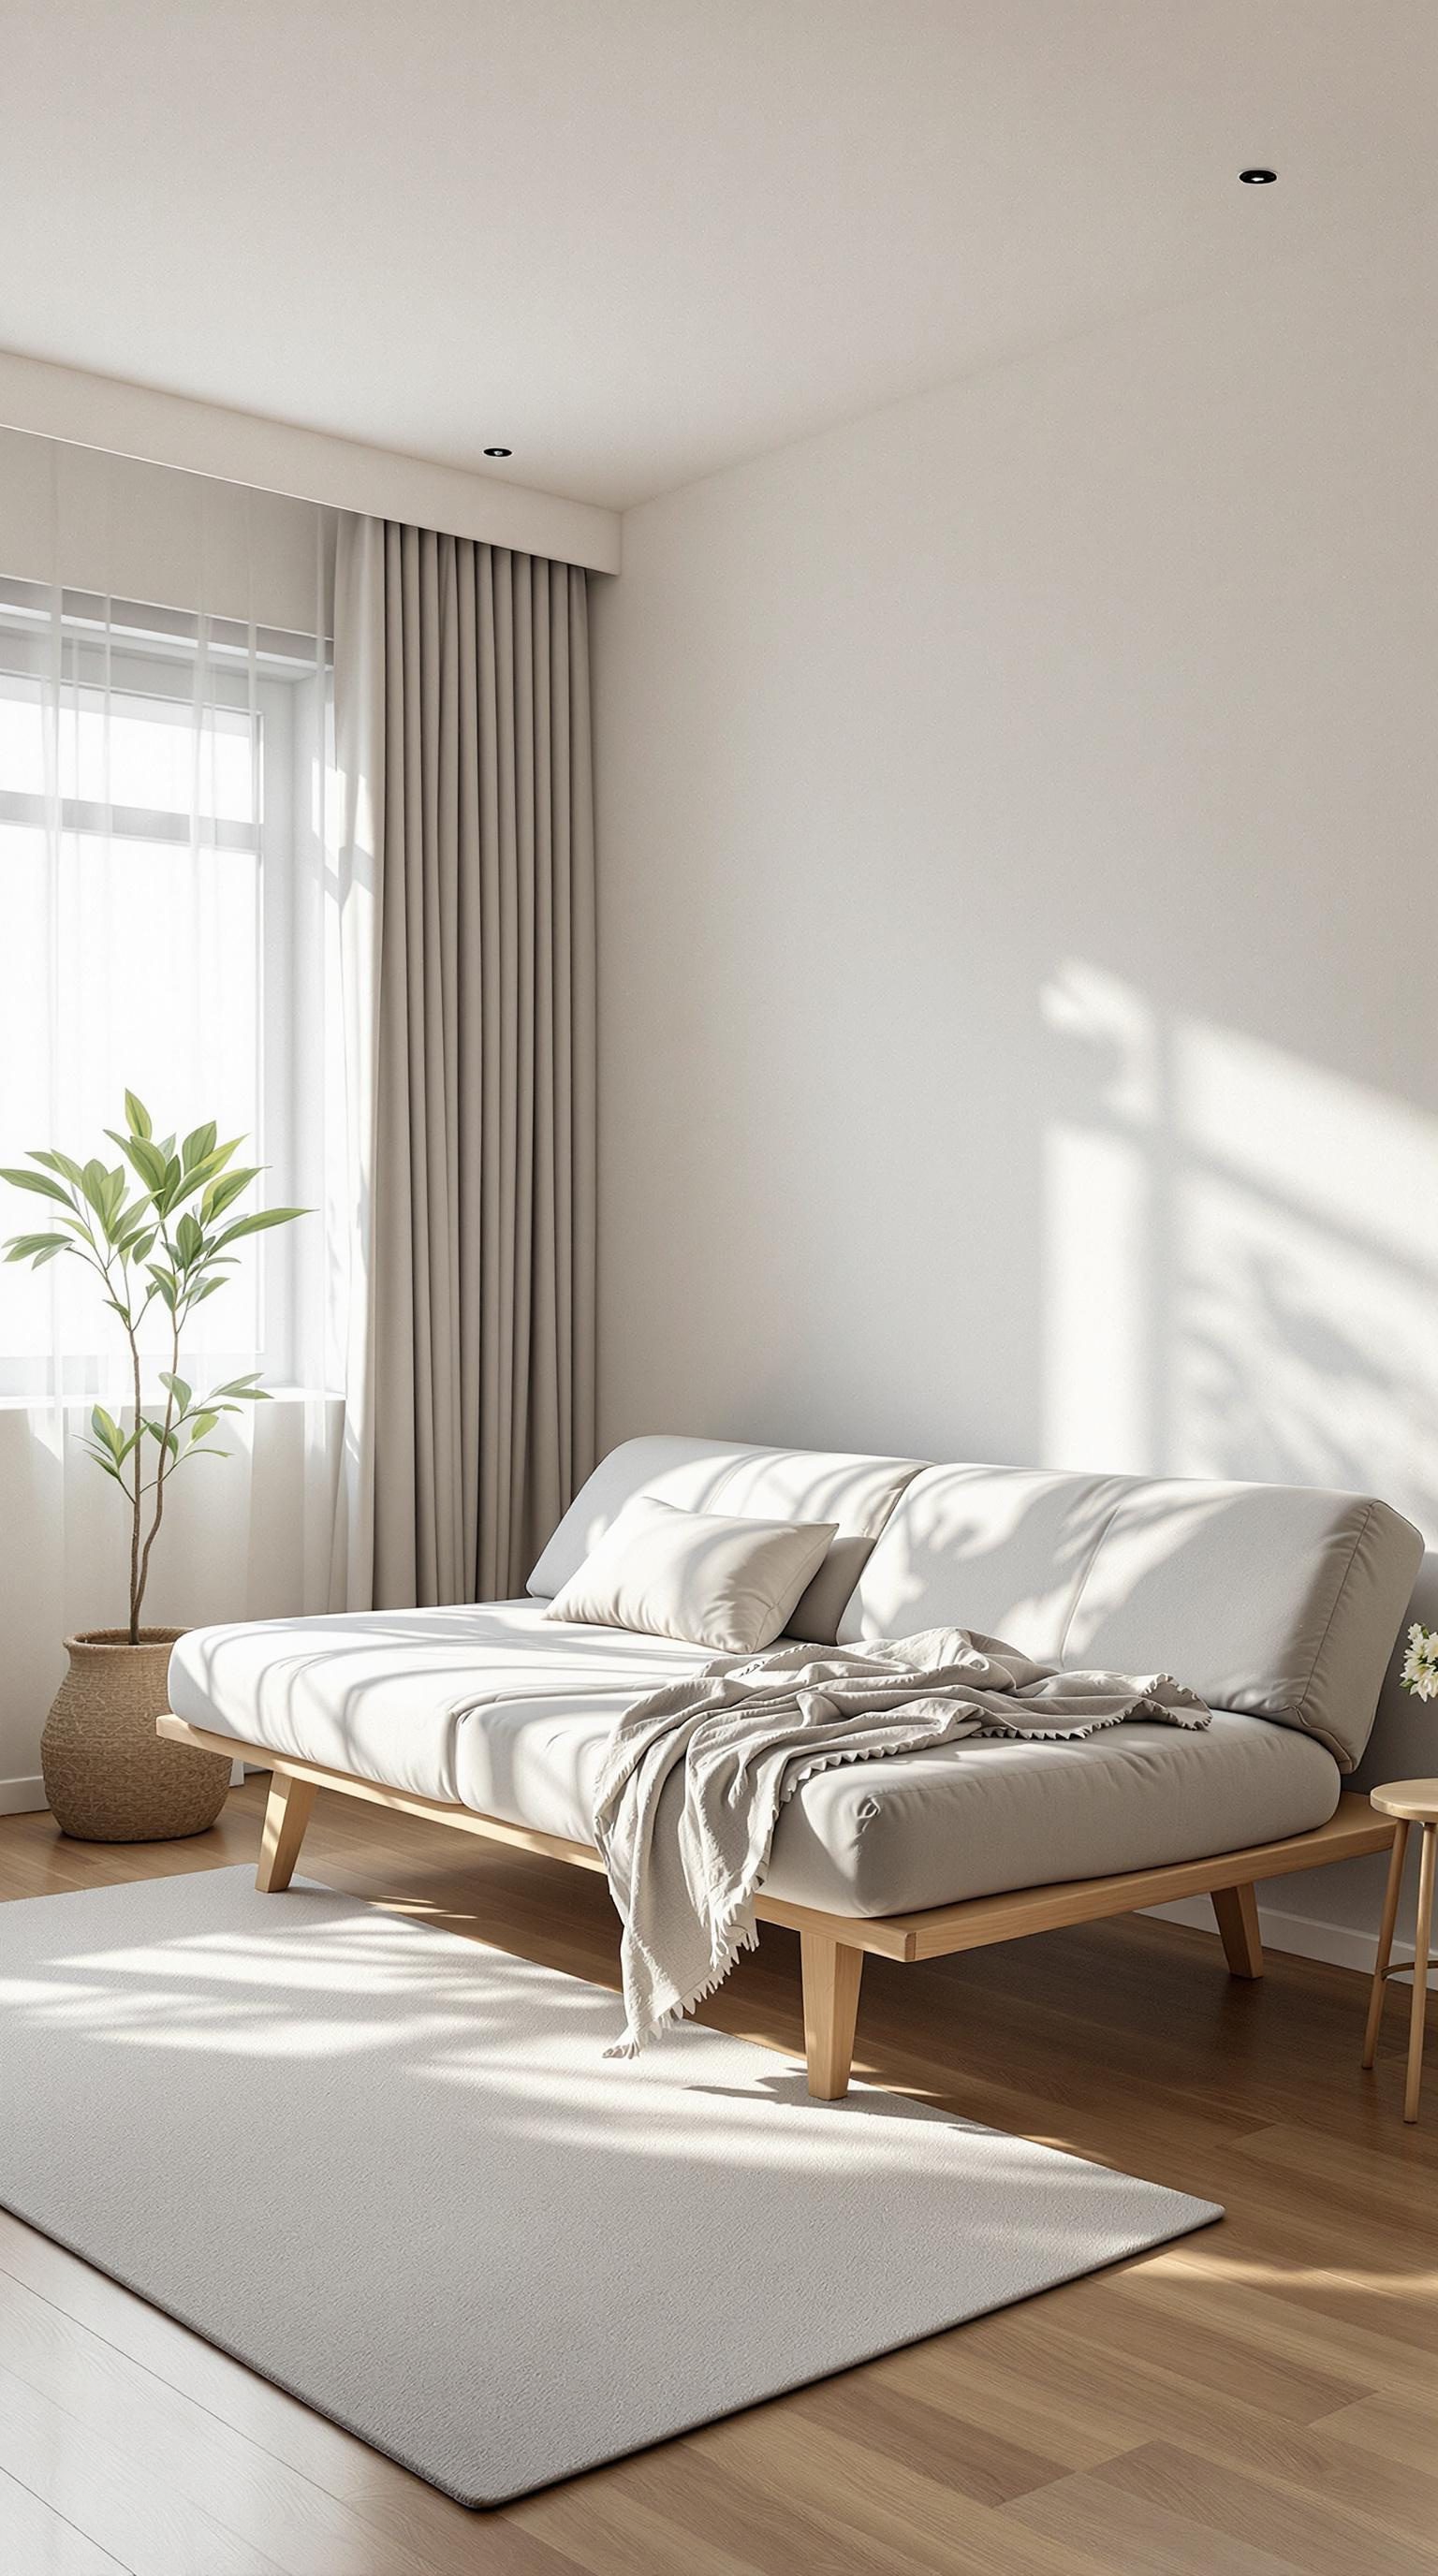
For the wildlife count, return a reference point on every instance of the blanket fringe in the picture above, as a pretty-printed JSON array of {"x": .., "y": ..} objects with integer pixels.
[{"x": 732, "y": 1938}]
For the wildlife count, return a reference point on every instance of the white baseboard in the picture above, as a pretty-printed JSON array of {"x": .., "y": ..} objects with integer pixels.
[
  {"x": 1337, "y": 1943},
  {"x": 22, "y": 1797}
]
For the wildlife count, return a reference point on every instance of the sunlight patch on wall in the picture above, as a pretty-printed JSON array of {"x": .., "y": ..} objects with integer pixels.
[
  {"x": 1241, "y": 1257},
  {"x": 1097, "y": 1301},
  {"x": 1299, "y": 1355},
  {"x": 1350, "y": 1155}
]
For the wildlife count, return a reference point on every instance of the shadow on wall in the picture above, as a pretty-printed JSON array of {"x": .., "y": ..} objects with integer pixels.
[{"x": 1241, "y": 1273}]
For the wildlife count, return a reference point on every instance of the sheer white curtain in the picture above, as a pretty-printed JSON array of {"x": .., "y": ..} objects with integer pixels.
[{"x": 169, "y": 910}]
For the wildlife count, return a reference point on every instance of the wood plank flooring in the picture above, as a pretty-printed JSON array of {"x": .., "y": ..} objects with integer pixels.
[{"x": 1259, "y": 2400}]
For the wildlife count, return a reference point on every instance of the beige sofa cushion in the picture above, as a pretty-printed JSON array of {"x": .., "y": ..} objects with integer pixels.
[
  {"x": 386, "y": 1693},
  {"x": 509, "y": 1713},
  {"x": 1000, "y": 1549},
  {"x": 1282, "y": 1601},
  {"x": 706, "y": 1578},
  {"x": 973, "y": 1819},
  {"x": 895, "y": 1836},
  {"x": 855, "y": 1493}
]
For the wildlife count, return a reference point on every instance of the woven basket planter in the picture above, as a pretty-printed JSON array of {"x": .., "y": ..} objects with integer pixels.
[{"x": 108, "y": 1776}]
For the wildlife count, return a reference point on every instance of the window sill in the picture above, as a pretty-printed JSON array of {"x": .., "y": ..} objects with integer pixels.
[{"x": 116, "y": 1396}]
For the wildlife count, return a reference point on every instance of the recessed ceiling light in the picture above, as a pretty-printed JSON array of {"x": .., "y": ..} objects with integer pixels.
[
  {"x": 1258, "y": 178},
  {"x": 499, "y": 451}
]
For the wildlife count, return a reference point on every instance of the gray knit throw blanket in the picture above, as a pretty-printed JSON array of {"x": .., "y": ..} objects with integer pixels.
[{"x": 696, "y": 1774}]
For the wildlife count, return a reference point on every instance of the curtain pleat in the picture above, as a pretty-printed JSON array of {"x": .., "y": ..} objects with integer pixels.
[{"x": 463, "y": 733}]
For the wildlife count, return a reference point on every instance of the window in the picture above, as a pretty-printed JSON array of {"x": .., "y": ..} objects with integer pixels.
[{"x": 155, "y": 793}]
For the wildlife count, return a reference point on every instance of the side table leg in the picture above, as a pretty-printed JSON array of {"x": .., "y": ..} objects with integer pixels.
[
  {"x": 1422, "y": 1945},
  {"x": 1385, "y": 1940}
]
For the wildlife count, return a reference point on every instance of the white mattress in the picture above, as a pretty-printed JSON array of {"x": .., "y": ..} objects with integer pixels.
[{"x": 498, "y": 1709}]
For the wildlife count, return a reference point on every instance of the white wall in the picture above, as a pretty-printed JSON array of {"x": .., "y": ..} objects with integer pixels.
[{"x": 1017, "y": 920}]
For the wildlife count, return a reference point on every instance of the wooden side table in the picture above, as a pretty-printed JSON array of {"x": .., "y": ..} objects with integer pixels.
[{"x": 1412, "y": 1802}]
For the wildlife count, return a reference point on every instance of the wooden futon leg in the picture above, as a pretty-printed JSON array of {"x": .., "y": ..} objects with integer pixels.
[
  {"x": 1237, "y": 1912},
  {"x": 831, "y": 1972},
  {"x": 287, "y": 1812}
]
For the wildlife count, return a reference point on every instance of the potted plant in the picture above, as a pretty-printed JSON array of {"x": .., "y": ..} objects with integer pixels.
[{"x": 157, "y": 1231}]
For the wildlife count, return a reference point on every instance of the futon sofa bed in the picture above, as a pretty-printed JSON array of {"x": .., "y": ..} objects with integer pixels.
[{"x": 1279, "y": 1605}]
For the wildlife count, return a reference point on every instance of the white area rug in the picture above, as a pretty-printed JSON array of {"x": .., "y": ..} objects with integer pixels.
[{"x": 391, "y": 2170}]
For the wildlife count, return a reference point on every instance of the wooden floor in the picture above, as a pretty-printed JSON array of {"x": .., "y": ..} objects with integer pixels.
[{"x": 1261, "y": 2398}]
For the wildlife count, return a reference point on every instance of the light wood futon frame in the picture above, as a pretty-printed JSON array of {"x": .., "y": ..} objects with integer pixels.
[{"x": 833, "y": 1946}]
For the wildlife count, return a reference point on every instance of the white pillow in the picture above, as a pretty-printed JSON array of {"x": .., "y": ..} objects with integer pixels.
[{"x": 697, "y": 1576}]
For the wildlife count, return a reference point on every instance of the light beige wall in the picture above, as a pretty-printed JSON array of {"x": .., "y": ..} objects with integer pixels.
[{"x": 1017, "y": 915}]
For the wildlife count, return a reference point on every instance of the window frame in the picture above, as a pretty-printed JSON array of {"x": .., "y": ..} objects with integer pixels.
[{"x": 122, "y": 649}]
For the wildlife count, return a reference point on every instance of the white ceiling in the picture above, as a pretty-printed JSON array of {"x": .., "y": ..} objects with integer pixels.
[{"x": 634, "y": 240}]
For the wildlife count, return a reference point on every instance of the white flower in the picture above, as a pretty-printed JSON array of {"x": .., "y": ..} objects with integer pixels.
[{"x": 1420, "y": 1664}]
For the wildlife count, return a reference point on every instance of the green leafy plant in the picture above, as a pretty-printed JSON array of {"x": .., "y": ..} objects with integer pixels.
[{"x": 156, "y": 1229}]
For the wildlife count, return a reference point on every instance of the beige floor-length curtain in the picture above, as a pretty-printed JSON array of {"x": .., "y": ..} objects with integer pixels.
[{"x": 462, "y": 731}]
